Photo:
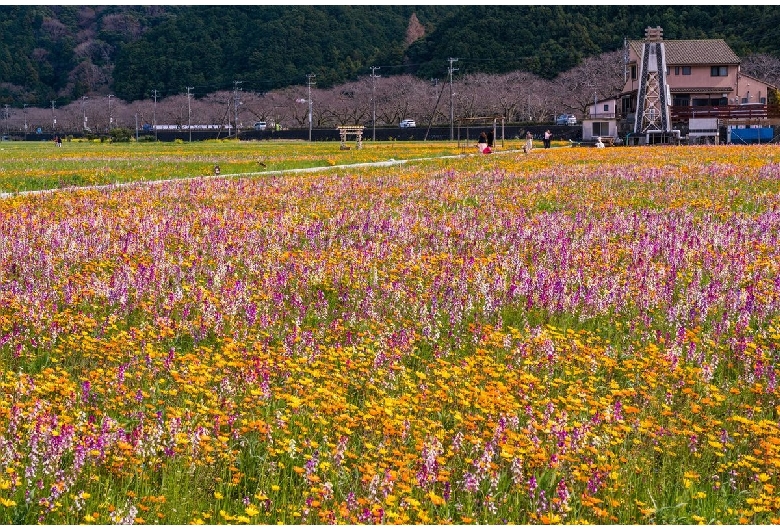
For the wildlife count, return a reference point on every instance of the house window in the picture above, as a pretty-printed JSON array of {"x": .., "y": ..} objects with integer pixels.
[
  {"x": 710, "y": 102},
  {"x": 719, "y": 71},
  {"x": 633, "y": 71},
  {"x": 762, "y": 100},
  {"x": 676, "y": 70},
  {"x": 606, "y": 107},
  {"x": 600, "y": 128},
  {"x": 686, "y": 70},
  {"x": 681, "y": 100},
  {"x": 668, "y": 70}
]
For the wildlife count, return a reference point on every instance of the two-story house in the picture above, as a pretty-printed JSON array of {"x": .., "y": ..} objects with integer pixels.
[{"x": 701, "y": 82}]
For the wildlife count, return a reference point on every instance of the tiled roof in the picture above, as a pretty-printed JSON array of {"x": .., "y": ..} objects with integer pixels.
[{"x": 690, "y": 52}]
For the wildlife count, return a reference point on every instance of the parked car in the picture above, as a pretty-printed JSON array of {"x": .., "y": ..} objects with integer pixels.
[
  {"x": 407, "y": 123},
  {"x": 566, "y": 119},
  {"x": 260, "y": 125}
]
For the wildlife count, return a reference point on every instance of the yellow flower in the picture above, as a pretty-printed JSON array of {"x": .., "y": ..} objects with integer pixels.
[
  {"x": 218, "y": 495},
  {"x": 435, "y": 499}
]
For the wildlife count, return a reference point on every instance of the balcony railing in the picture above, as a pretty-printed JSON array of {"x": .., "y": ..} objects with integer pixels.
[
  {"x": 726, "y": 112},
  {"x": 602, "y": 116}
]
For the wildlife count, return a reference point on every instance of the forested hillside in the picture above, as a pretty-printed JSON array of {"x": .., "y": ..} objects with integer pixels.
[{"x": 61, "y": 53}]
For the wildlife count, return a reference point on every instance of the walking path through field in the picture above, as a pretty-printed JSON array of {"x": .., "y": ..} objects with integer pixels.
[{"x": 384, "y": 163}]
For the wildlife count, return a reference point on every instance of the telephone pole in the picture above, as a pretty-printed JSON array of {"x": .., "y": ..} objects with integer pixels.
[
  {"x": 235, "y": 102},
  {"x": 452, "y": 108},
  {"x": 373, "y": 99},
  {"x": 53, "y": 118},
  {"x": 309, "y": 78},
  {"x": 84, "y": 111},
  {"x": 154, "y": 115},
  {"x": 110, "y": 119},
  {"x": 189, "y": 112}
]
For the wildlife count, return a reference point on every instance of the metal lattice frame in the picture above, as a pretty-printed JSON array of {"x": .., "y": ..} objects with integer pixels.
[
  {"x": 651, "y": 108},
  {"x": 652, "y": 102}
]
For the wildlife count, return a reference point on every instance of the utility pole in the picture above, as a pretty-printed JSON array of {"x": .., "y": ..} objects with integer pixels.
[
  {"x": 373, "y": 100},
  {"x": 235, "y": 102},
  {"x": 110, "y": 119},
  {"x": 154, "y": 115},
  {"x": 189, "y": 112},
  {"x": 84, "y": 111},
  {"x": 452, "y": 108},
  {"x": 53, "y": 118},
  {"x": 6, "y": 118},
  {"x": 309, "y": 78},
  {"x": 25, "y": 121}
]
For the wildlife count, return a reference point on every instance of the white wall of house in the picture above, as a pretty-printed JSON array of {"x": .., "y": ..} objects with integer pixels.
[
  {"x": 605, "y": 109},
  {"x": 600, "y": 120},
  {"x": 595, "y": 127}
]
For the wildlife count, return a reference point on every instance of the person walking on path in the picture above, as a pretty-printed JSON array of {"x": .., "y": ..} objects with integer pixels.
[
  {"x": 547, "y": 138},
  {"x": 529, "y": 142}
]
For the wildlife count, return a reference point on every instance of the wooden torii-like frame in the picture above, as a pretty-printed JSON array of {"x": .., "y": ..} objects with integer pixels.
[{"x": 354, "y": 130}]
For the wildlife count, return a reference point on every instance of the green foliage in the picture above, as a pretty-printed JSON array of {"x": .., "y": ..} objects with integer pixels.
[
  {"x": 44, "y": 54},
  {"x": 121, "y": 135}
]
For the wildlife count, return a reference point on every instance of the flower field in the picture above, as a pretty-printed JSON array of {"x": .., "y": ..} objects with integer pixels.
[
  {"x": 35, "y": 166},
  {"x": 574, "y": 336}
]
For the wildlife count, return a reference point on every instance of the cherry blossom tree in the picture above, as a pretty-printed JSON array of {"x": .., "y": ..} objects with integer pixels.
[
  {"x": 763, "y": 67},
  {"x": 596, "y": 78}
]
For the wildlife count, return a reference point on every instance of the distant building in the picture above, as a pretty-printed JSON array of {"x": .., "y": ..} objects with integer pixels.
[{"x": 682, "y": 80}]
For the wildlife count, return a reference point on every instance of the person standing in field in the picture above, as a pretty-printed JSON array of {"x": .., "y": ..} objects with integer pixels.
[
  {"x": 547, "y": 138},
  {"x": 529, "y": 142}
]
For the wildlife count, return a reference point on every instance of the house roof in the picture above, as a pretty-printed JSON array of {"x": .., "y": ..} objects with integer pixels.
[{"x": 690, "y": 52}]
